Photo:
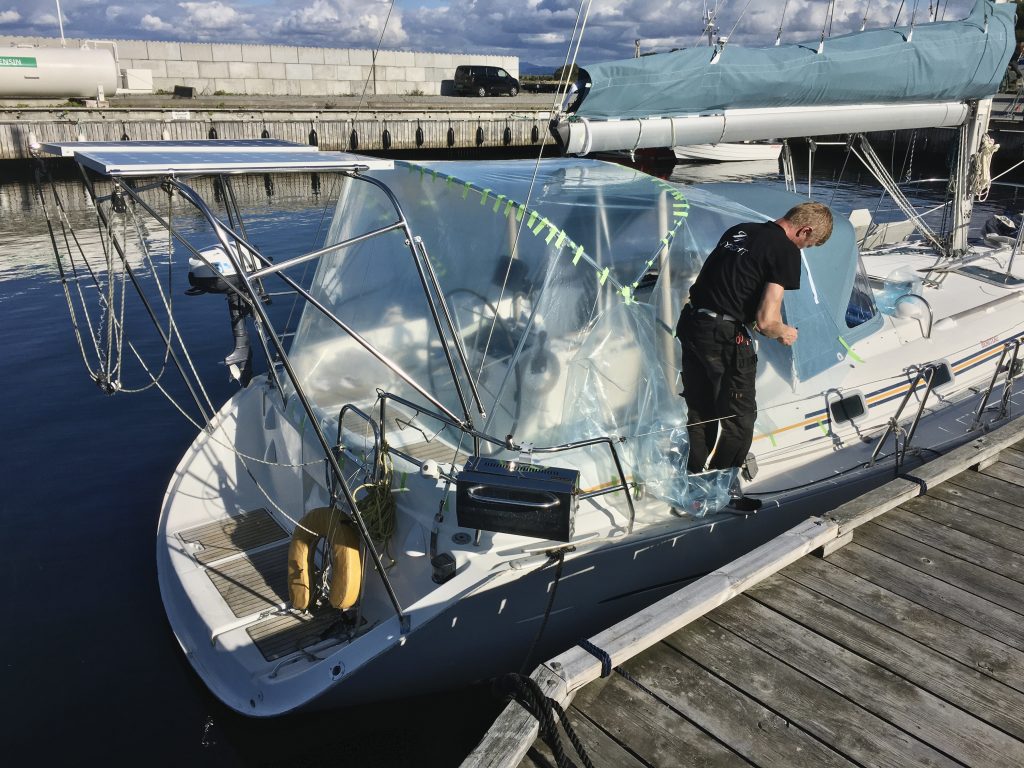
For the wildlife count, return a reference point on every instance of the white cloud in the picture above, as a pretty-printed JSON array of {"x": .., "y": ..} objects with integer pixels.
[
  {"x": 537, "y": 31},
  {"x": 213, "y": 15},
  {"x": 346, "y": 22},
  {"x": 154, "y": 24},
  {"x": 545, "y": 38}
]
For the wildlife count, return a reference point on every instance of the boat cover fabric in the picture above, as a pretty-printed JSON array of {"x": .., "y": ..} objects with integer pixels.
[
  {"x": 942, "y": 61},
  {"x": 572, "y": 338}
]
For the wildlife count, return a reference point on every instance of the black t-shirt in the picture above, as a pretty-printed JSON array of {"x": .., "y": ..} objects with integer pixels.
[{"x": 748, "y": 257}]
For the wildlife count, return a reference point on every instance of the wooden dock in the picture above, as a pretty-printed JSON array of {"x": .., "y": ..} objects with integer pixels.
[{"x": 904, "y": 646}]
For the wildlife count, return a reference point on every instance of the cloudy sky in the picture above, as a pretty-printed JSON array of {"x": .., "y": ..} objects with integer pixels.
[{"x": 538, "y": 31}]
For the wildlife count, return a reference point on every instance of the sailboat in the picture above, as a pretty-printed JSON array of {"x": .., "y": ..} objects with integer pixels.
[
  {"x": 471, "y": 452},
  {"x": 730, "y": 151}
]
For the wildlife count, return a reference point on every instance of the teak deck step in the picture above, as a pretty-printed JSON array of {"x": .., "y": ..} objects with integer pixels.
[
  {"x": 253, "y": 583},
  {"x": 236, "y": 534},
  {"x": 279, "y": 636}
]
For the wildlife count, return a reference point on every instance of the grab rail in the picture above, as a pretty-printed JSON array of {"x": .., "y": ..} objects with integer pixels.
[
  {"x": 478, "y": 436},
  {"x": 1013, "y": 370},
  {"x": 927, "y": 373}
]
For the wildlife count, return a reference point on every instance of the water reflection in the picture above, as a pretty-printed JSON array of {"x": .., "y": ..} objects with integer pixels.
[{"x": 268, "y": 203}]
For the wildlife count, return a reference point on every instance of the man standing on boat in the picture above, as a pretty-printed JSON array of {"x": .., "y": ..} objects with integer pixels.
[{"x": 740, "y": 287}]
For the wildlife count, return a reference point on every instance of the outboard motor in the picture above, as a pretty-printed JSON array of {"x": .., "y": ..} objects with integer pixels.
[{"x": 220, "y": 277}]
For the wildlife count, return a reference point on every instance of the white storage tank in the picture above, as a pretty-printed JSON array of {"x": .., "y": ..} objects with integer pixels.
[{"x": 56, "y": 72}]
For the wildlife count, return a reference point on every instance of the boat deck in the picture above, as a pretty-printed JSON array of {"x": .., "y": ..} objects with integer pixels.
[
  {"x": 246, "y": 559},
  {"x": 906, "y": 647}
]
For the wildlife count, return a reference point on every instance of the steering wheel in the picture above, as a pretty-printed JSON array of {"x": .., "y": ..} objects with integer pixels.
[{"x": 489, "y": 344}]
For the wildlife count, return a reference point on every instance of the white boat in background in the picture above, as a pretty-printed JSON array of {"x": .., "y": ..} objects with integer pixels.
[
  {"x": 471, "y": 452},
  {"x": 729, "y": 152}
]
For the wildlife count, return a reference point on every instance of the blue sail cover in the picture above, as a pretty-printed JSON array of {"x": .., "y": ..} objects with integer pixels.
[{"x": 943, "y": 61}]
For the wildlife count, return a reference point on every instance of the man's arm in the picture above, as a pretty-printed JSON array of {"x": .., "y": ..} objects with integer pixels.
[{"x": 769, "y": 316}]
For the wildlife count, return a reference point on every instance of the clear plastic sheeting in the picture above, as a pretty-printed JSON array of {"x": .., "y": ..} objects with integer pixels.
[{"x": 563, "y": 279}]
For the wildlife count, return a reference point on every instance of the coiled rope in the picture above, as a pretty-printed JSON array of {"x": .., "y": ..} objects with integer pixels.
[{"x": 528, "y": 694}]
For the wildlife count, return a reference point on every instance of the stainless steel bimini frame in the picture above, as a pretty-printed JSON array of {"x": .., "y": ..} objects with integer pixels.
[
  {"x": 252, "y": 267},
  {"x": 115, "y": 162}
]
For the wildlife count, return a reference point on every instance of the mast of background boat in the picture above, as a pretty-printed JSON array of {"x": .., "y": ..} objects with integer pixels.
[{"x": 710, "y": 27}]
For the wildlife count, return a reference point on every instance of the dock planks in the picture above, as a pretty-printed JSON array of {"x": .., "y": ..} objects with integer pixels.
[{"x": 903, "y": 648}]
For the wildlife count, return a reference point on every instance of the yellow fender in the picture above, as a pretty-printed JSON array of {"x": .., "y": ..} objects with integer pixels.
[{"x": 346, "y": 566}]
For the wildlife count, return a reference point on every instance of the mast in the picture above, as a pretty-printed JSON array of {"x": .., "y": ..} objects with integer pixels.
[{"x": 963, "y": 204}]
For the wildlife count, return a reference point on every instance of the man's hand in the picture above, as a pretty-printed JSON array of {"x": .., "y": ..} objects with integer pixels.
[{"x": 769, "y": 316}]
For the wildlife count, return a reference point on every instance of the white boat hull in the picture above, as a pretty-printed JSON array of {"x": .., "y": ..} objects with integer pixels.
[{"x": 499, "y": 624}]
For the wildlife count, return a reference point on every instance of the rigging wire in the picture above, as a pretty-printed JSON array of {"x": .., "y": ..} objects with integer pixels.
[
  {"x": 864, "y": 21},
  {"x": 738, "y": 19},
  {"x": 782, "y": 20},
  {"x": 827, "y": 23},
  {"x": 567, "y": 67},
  {"x": 582, "y": 15},
  {"x": 898, "y": 12}
]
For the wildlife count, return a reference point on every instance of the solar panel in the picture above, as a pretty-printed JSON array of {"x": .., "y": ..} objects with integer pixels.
[
  {"x": 186, "y": 161},
  {"x": 68, "y": 149}
]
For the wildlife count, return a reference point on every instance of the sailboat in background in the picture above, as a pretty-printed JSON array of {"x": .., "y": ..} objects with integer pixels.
[
  {"x": 730, "y": 152},
  {"x": 471, "y": 452}
]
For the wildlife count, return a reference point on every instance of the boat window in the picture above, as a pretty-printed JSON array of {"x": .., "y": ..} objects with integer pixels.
[
  {"x": 943, "y": 373},
  {"x": 848, "y": 408},
  {"x": 861, "y": 307}
]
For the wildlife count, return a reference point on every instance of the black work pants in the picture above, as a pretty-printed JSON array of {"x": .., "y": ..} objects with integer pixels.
[{"x": 719, "y": 368}]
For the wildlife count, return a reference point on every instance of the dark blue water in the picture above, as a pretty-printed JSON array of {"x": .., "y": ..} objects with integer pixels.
[{"x": 92, "y": 671}]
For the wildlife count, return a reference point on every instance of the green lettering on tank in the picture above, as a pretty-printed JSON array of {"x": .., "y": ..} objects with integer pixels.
[{"x": 18, "y": 61}]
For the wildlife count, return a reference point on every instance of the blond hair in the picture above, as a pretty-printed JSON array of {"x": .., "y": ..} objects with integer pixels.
[{"x": 814, "y": 215}]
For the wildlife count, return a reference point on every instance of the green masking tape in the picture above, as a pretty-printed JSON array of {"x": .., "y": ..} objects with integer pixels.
[
  {"x": 497, "y": 203},
  {"x": 551, "y": 234},
  {"x": 602, "y": 276},
  {"x": 560, "y": 240},
  {"x": 849, "y": 350},
  {"x": 533, "y": 218},
  {"x": 465, "y": 190},
  {"x": 576, "y": 256},
  {"x": 540, "y": 225},
  {"x": 484, "y": 195}
]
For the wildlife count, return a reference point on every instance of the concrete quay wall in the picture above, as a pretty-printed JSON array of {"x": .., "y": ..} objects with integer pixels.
[
  {"x": 448, "y": 123},
  {"x": 285, "y": 70}
]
